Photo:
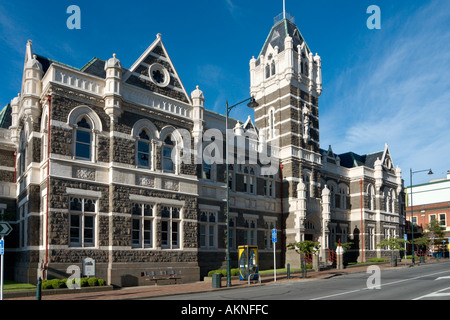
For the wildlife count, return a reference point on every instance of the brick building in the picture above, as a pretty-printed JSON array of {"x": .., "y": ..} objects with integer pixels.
[
  {"x": 86, "y": 170},
  {"x": 431, "y": 201}
]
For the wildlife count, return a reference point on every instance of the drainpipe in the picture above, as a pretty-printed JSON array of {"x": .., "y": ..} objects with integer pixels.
[
  {"x": 362, "y": 221},
  {"x": 282, "y": 217},
  {"x": 49, "y": 102},
  {"x": 15, "y": 166}
]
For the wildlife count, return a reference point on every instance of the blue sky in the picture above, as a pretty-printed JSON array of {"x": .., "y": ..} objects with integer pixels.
[{"x": 380, "y": 86}]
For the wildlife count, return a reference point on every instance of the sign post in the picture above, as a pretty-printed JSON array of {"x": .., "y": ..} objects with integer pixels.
[
  {"x": 2, "y": 246},
  {"x": 5, "y": 229},
  {"x": 274, "y": 244},
  {"x": 405, "y": 236}
]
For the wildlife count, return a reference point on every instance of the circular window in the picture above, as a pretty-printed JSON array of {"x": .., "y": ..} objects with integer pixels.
[{"x": 159, "y": 75}]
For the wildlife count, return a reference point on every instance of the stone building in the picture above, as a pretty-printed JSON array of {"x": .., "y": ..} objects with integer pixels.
[{"x": 86, "y": 170}]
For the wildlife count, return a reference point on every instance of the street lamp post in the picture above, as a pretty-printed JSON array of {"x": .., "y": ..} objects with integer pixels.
[
  {"x": 251, "y": 104},
  {"x": 411, "y": 204}
]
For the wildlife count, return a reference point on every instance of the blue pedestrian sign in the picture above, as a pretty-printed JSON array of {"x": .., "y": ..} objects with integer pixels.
[
  {"x": 274, "y": 235},
  {"x": 405, "y": 237},
  {"x": 2, "y": 246}
]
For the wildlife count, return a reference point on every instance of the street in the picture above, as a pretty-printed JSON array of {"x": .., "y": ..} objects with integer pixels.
[{"x": 421, "y": 282}]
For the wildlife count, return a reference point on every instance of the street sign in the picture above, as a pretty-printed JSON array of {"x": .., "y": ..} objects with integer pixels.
[
  {"x": 5, "y": 228},
  {"x": 274, "y": 235},
  {"x": 2, "y": 246},
  {"x": 405, "y": 237}
]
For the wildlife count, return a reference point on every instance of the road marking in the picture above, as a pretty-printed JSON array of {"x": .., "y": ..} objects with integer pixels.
[
  {"x": 435, "y": 294},
  {"x": 385, "y": 284},
  {"x": 440, "y": 278}
]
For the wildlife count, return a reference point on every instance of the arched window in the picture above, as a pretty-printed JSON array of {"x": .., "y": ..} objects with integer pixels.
[
  {"x": 86, "y": 124},
  {"x": 333, "y": 194},
  {"x": 167, "y": 163},
  {"x": 249, "y": 180},
  {"x": 44, "y": 139},
  {"x": 307, "y": 182},
  {"x": 387, "y": 199},
  {"x": 144, "y": 150},
  {"x": 267, "y": 71},
  {"x": 22, "y": 152},
  {"x": 371, "y": 197},
  {"x": 83, "y": 139},
  {"x": 271, "y": 124},
  {"x": 343, "y": 192}
]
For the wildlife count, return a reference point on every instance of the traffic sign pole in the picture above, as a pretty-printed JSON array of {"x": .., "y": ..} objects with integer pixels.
[
  {"x": 274, "y": 244},
  {"x": 1, "y": 278},
  {"x": 5, "y": 229}
]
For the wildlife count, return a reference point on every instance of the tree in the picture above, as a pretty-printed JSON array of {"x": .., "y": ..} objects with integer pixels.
[
  {"x": 435, "y": 232},
  {"x": 303, "y": 248},
  {"x": 393, "y": 244}
]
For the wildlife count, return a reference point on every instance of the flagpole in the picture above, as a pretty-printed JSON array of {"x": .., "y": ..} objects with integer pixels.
[{"x": 284, "y": 9}]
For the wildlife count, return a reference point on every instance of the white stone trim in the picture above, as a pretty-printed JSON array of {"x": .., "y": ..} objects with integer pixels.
[
  {"x": 159, "y": 201},
  {"x": 84, "y": 193}
]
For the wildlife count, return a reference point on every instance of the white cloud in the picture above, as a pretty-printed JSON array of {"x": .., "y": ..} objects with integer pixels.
[{"x": 399, "y": 96}]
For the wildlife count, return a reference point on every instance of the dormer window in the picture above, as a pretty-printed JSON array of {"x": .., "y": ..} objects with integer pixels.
[{"x": 270, "y": 66}]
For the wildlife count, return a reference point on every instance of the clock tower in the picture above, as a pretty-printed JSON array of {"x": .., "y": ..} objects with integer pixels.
[{"x": 286, "y": 81}]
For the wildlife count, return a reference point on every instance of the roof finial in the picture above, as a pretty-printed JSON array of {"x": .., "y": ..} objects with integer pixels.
[{"x": 284, "y": 9}]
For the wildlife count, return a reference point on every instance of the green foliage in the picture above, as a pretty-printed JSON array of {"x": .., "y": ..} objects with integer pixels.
[
  {"x": 393, "y": 243},
  {"x": 377, "y": 260},
  {"x": 58, "y": 284},
  {"x": 62, "y": 283},
  {"x": 435, "y": 231},
  {"x": 93, "y": 282},
  {"x": 346, "y": 246},
  {"x": 47, "y": 284},
  {"x": 101, "y": 282},
  {"x": 305, "y": 247},
  {"x": 84, "y": 282},
  {"x": 234, "y": 272}
]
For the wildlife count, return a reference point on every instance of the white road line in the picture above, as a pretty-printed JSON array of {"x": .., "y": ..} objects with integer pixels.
[
  {"x": 385, "y": 284},
  {"x": 435, "y": 294}
]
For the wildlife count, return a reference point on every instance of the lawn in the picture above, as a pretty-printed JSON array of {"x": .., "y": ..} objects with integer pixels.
[{"x": 9, "y": 285}]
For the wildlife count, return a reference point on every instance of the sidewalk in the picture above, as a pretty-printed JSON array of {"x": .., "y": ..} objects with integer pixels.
[{"x": 201, "y": 286}]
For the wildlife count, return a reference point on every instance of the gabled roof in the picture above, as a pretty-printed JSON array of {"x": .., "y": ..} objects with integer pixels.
[
  {"x": 95, "y": 67},
  {"x": 352, "y": 160},
  {"x": 138, "y": 75},
  {"x": 278, "y": 34},
  {"x": 5, "y": 117}
]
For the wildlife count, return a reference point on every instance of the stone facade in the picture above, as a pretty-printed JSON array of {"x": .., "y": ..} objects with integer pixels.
[{"x": 87, "y": 151}]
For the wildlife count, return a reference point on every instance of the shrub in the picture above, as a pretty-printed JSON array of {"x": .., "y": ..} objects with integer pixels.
[
  {"x": 93, "y": 282},
  {"x": 47, "y": 284},
  {"x": 377, "y": 260},
  {"x": 58, "y": 284},
  {"x": 84, "y": 282},
  {"x": 213, "y": 271},
  {"x": 101, "y": 282}
]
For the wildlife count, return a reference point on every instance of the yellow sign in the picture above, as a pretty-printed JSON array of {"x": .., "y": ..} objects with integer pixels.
[{"x": 248, "y": 262}]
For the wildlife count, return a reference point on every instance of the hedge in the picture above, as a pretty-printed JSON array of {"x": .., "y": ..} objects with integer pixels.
[
  {"x": 62, "y": 283},
  {"x": 234, "y": 272}
]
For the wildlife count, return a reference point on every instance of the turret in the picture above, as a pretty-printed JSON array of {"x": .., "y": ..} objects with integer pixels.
[
  {"x": 198, "y": 100},
  {"x": 31, "y": 84},
  {"x": 113, "y": 97}
]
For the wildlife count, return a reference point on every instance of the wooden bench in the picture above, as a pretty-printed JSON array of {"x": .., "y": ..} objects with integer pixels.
[{"x": 161, "y": 275}]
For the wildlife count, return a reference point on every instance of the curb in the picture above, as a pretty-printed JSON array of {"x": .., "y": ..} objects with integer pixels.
[{"x": 50, "y": 292}]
